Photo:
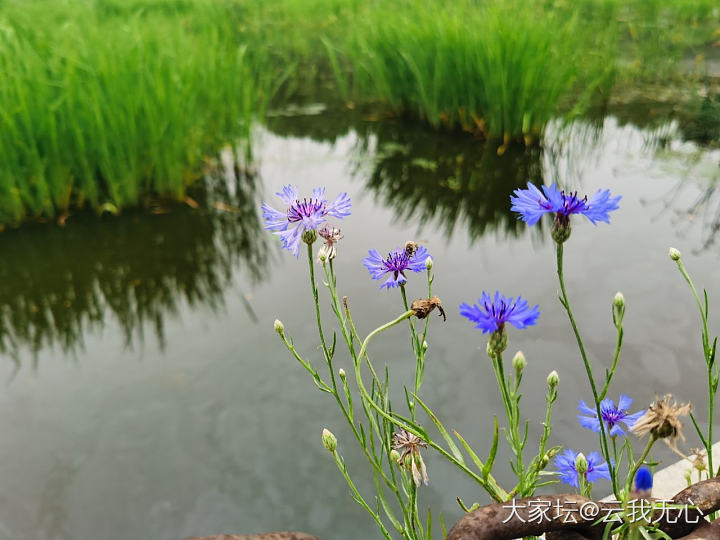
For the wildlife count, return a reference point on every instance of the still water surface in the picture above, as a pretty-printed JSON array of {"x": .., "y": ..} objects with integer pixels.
[{"x": 147, "y": 396}]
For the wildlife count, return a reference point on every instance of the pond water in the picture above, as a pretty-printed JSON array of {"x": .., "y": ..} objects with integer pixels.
[{"x": 147, "y": 396}]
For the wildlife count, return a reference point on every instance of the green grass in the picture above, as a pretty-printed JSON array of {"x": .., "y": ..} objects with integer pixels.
[
  {"x": 503, "y": 68},
  {"x": 106, "y": 103}
]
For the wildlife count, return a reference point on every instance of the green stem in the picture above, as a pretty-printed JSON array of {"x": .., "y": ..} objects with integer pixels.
[
  {"x": 708, "y": 353},
  {"x": 356, "y": 495},
  {"x": 616, "y": 357},
  {"x": 603, "y": 436},
  {"x": 490, "y": 484},
  {"x": 313, "y": 285},
  {"x": 513, "y": 419}
]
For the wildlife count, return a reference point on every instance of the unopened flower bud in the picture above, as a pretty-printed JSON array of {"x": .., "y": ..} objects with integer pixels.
[
  {"x": 674, "y": 254},
  {"x": 429, "y": 263},
  {"x": 279, "y": 326},
  {"x": 341, "y": 372},
  {"x": 309, "y": 236},
  {"x": 395, "y": 456},
  {"x": 618, "y": 308},
  {"x": 519, "y": 362},
  {"x": 424, "y": 345},
  {"x": 322, "y": 255},
  {"x": 581, "y": 464},
  {"x": 553, "y": 379},
  {"x": 328, "y": 440}
]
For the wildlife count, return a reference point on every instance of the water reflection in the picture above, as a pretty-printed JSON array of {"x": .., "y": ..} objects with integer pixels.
[
  {"x": 454, "y": 181},
  {"x": 56, "y": 283}
]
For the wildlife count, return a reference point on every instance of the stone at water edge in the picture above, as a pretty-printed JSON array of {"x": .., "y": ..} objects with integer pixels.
[{"x": 266, "y": 536}]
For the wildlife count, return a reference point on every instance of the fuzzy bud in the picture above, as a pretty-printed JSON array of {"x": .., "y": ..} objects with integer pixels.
[
  {"x": 424, "y": 345},
  {"x": 429, "y": 263},
  {"x": 329, "y": 441},
  {"x": 341, "y": 372},
  {"x": 674, "y": 254},
  {"x": 553, "y": 379},
  {"x": 279, "y": 326},
  {"x": 519, "y": 362},
  {"x": 581, "y": 464}
]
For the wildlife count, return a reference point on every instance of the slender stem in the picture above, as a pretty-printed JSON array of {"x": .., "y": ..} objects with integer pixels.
[
  {"x": 513, "y": 419},
  {"x": 313, "y": 285},
  {"x": 616, "y": 356},
  {"x": 708, "y": 353},
  {"x": 490, "y": 484},
  {"x": 343, "y": 469},
  {"x": 566, "y": 304}
]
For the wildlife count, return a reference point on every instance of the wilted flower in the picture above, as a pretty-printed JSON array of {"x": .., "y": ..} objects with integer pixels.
[
  {"x": 662, "y": 420},
  {"x": 396, "y": 264},
  {"x": 408, "y": 446},
  {"x": 491, "y": 314},
  {"x": 596, "y": 467},
  {"x": 331, "y": 235},
  {"x": 303, "y": 216},
  {"x": 698, "y": 459},
  {"x": 612, "y": 416},
  {"x": 423, "y": 306}
]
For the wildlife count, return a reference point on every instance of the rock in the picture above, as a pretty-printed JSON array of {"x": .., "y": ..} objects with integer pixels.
[{"x": 283, "y": 535}]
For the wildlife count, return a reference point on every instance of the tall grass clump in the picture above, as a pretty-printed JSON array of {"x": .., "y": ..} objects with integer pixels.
[
  {"x": 104, "y": 107},
  {"x": 503, "y": 68}
]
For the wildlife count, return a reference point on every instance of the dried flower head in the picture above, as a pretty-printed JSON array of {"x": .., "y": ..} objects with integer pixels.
[
  {"x": 423, "y": 306},
  {"x": 662, "y": 420},
  {"x": 697, "y": 457},
  {"x": 331, "y": 236},
  {"x": 408, "y": 446}
]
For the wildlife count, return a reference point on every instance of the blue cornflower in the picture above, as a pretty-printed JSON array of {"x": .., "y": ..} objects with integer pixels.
[
  {"x": 301, "y": 216},
  {"x": 396, "y": 263},
  {"x": 565, "y": 464},
  {"x": 643, "y": 480},
  {"x": 611, "y": 415},
  {"x": 532, "y": 203},
  {"x": 492, "y": 314}
]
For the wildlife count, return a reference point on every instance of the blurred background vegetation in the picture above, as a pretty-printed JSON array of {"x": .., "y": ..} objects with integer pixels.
[{"x": 110, "y": 104}]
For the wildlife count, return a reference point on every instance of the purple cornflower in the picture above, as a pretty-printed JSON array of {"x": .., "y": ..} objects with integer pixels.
[
  {"x": 302, "y": 215},
  {"x": 532, "y": 203},
  {"x": 492, "y": 314},
  {"x": 611, "y": 415},
  {"x": 565, "y": 464},
  {"x": 396, "y": 264}
]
